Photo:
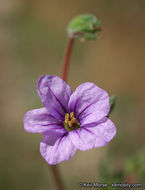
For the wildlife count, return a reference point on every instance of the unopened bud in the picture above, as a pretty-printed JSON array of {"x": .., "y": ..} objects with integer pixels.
[{"x": 85, "y": 27}]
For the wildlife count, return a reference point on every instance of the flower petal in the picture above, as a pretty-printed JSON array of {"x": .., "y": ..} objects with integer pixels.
[
  {"x": 55, "y": 150},
  {"x": 89, "y": 103},
  {"x": 54, "y": 94},
  {"x": 39, "y": 121},
  {"x": 105, "y": 132},
  {"x": 86, "y": 138}
]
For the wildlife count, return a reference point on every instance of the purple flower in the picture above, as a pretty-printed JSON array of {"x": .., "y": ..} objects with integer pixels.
[{"x": 69, "y": 120}]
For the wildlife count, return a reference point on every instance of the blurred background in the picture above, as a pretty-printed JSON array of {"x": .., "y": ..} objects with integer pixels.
[{"x": 32, "y": 43}]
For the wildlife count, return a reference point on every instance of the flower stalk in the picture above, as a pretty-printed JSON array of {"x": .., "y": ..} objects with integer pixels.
[
  {"x": 67, "y": 58},
  {"x": 57, "y": 178}
]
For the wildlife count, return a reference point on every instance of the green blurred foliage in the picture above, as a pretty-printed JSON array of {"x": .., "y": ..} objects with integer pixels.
[
  {"x": 112, "y": 101},
  {"x": 136, "y": 165},
  {"x": 130, "y": 170}
]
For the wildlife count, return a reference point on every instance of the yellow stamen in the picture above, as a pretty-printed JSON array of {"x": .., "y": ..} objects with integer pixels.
[
  {"x": 70, "y": 119},
  {"x": 73, "y": 120},
  {"x": 71, "y": 115},
  {"x": 66, "y": 117},
  {"x": 70, "y": 122}
]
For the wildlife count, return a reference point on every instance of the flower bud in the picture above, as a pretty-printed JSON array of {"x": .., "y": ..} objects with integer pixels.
[{"x": 85, "y": 27}]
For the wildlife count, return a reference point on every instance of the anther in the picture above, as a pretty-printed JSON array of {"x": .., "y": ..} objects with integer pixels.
[{"x": 71, "y": 122}]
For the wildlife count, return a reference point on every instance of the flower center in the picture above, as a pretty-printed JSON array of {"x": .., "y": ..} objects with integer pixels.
[{"x": 71, "y": 122}]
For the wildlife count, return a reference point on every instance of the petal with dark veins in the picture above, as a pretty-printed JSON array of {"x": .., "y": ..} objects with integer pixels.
[
  {"x": 54, "y": 94},
  {"x": 40, "y": 121},
  {"x": 89, "y": 103},
  {"x": 86, "y": 138},
  {"x": 55, "y": 150}
]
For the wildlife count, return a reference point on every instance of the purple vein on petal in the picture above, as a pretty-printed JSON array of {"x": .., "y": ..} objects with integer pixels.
[
  {"x": 94, "y": 124},
  {"x": 86, "y": 108},
  {"x": 51, "y": 124},
  {"x": 59, "y": 141},
  {"x": 78, "y": 101},
  {"x": 77, "y": 133},
  {"x": 56, "y": 118},
  {"x": 58, "y": 101},
  {"x": 89, "y": 131},
  {"x": 84, "y": 117},
  {"x": 58, "y": 113},
  {"x": 76, "y": 106},
  {"x": 54, "y": 124}
]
